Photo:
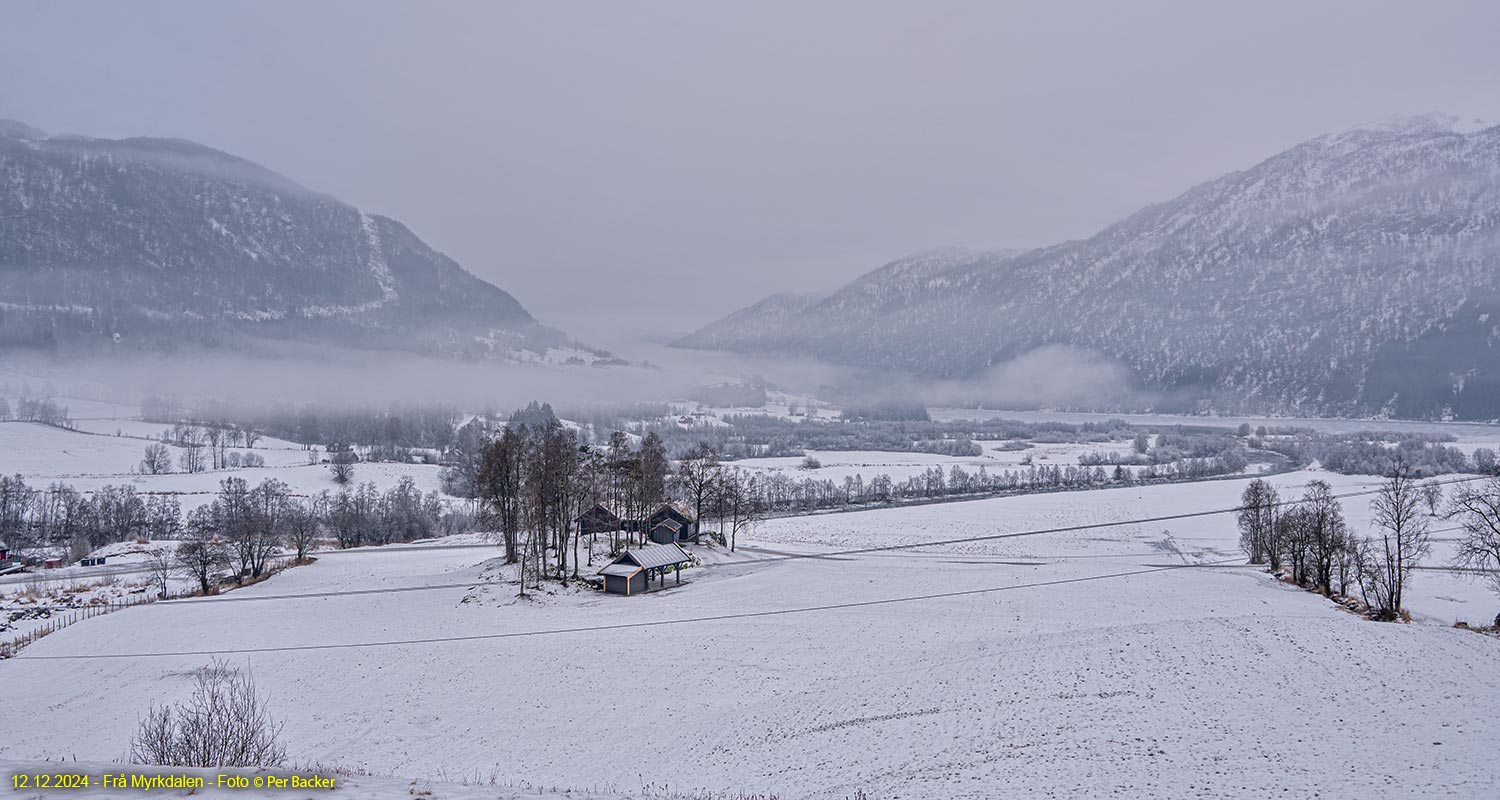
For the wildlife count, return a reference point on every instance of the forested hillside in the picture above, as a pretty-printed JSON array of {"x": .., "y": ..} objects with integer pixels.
[
  {"x": 1357, "y": 273},
  {"x": 151, "y": 244}
]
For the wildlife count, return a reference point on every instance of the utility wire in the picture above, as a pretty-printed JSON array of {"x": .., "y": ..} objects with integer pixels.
[
  {"x": 624, "y": 625},
  {"x": 790, "y": 557},
  {"x": 719, "y": 617}
]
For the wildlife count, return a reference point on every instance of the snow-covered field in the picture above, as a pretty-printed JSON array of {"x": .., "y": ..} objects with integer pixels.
[
  {"x": 1040, "y": 670},
  {"x": 839, "y": 464},
  {"x": 42, "y": 455}
]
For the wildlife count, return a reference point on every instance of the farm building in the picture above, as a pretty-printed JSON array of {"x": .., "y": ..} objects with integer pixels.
[
  {"x": 687, "y": 525},
  {"x": 600, "y": 519},
  {"x": 669, "y": 523},
  {"x": 633, "y": 571},
  {"x": 665, "y": 531}
]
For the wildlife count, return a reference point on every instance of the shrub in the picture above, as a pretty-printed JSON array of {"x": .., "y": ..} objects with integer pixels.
[{"x": 223, "y": 724}]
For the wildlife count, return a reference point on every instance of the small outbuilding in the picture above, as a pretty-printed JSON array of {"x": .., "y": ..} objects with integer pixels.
[
  {"x": 665, "y": 531},
  {"x": 687, "y": 524},
  {"x": 634, "y": 570}
]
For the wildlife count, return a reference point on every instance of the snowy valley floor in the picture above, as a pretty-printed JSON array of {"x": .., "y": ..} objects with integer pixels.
[{"x": 1195, "y": 682}]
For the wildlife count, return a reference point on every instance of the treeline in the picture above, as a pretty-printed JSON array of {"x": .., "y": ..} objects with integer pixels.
[
  {"x": 399, "y": 427},
  {"x": 252, "y": 522},
  {"x": 202, "y": 448},
  {"x": 740, "y": 436},
  {"x": 60, "y": 517},
  {"x": 1308, "y": 542},
  {"x": 1175, "y": 446},
  {"x": 409, "y": 432},
  {"x": 779, "y": 492},
  {"x": 35, "y": 409},
  {"x": 1378, "y": 453}
]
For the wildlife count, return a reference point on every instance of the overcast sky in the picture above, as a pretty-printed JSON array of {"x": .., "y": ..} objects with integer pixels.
[{"x": 664, "y": 163}]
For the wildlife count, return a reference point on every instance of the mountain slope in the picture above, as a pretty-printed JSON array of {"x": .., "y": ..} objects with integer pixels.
[
  {"x": 149, "y": 243},
  {"x": 1356, "y": 273}
]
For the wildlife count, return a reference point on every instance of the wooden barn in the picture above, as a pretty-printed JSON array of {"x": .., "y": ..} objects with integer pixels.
[
  {"x": 665, "y": 531},
  {"x": 600, "y": 519},
  {"x": 634, "y": 570},
  {"x": 687, "y": 525}
]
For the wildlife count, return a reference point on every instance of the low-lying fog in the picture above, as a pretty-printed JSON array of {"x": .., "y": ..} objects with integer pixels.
[{"x": 1054, "y": 377}]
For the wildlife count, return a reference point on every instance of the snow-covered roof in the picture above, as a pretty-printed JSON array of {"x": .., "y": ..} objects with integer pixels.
[
  {"x": 656, "y": 555},
  {"x": 620, "y": 570},
  {"x": 678, "y": 508},
  {"x": 669, "y": 523}
]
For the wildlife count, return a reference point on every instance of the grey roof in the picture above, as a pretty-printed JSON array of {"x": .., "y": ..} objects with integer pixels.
[
  {"x": 678, "y": 508},
  {"x": 620, "y": 570},
  {"x": 656, "y": 555},
  {"x": 669, "y": 523}
]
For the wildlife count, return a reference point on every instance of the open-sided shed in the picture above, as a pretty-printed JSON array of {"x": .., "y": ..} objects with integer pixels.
[{"x": 634, "y": 570}]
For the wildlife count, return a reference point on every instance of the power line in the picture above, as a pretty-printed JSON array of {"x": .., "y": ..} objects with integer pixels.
[
  {"x": 720, "y": 617},
  {"x": 794, "y": 556},
  {"x": 627, "y": 625},
  {"x": 1065, "y": 528}
]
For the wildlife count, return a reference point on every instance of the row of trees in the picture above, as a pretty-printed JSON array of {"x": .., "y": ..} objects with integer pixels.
[
  {"x": 1309, "y": 540},
  {"x": 779, "y": 492},
  {"x": 242, "y": 526},
  {"x": 35, "y": 409},
  {"x": 202, "y": 448},
  {"x": 397, "y": 427},
  {"x": 1376, "y": 453},
  {"x": 61, "y": 517}
]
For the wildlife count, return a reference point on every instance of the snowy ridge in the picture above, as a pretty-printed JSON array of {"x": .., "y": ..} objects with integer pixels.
[
  {"x": 1357, "y": 273},
  {"x": 147, "y": 243}
]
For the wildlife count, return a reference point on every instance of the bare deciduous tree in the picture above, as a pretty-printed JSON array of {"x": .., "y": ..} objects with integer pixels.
[
  {"x": 161, "y": 563},
  {"x": 341, "y": 465},
  {"x": 157, "y": 459},
  {"x": 739, "y": 504},
  {"x": 191, "y": 459},
  {"x": 1432, "y": 495},
  {"x": 1477, "y": 510},
  {"x": 1257, "y": 520},
  {"x": 698, "y": 474},
  {"x": 203, "y": 554},
  {"x": 301, "y": 530},
  {"x": 1401, "y": 543}
]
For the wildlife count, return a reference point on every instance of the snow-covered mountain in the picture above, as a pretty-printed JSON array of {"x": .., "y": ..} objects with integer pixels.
[
  {"x": 1356, "y": 273},
  {"x": 766, "y": 316},
  {"x": 139, "y": 244}
]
